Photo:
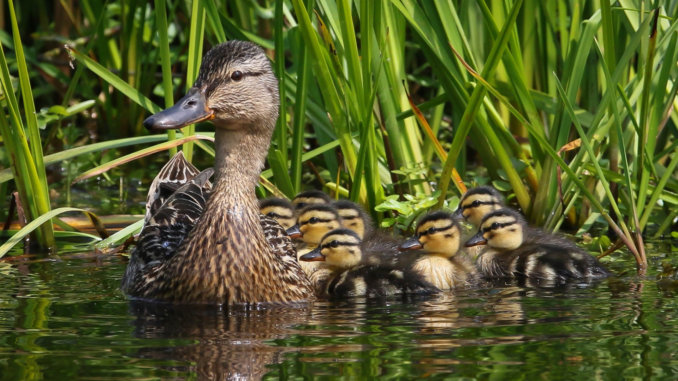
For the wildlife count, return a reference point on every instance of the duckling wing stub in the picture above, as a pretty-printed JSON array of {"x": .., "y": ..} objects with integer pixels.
[{"x": 378, "y": 281}]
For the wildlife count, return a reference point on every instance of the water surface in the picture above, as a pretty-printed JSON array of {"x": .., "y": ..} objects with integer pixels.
[{"x": 67, "y": 319}]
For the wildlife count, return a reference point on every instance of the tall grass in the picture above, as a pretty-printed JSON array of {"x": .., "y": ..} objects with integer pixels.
[{"x": 568, "y": 106}]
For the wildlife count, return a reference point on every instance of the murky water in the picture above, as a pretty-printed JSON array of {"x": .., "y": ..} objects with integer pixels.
[{"x": 67, "y": 319}]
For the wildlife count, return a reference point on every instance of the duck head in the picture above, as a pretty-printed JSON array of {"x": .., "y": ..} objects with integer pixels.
[
  {"x": 279, "y": 209},
  {"x": 354, "y": 217},
  {"x": 317, "y": 220},
  {"x": 311, "y": 197},
  {"x": 502, "y": 229},
  {"x": 339, "y": 248},
  {"x": 235, "y": 88},
  {"x": 436, "y": 233},
  {"x": 478, "y": 202}
]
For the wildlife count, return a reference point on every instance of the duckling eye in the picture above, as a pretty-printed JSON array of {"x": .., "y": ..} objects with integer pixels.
[
  {"x": 314, "y": 220},
  {"x": 475, "y": 203},
  {"x": 333, "y": 244},
  {"x": 431, "y": 230},
  {"x": 494, "y": 226},
  {"x": 236, "y": 75}
]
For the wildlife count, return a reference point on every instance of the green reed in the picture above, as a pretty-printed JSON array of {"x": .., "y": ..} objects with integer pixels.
[{"x": 569, "y": 106}]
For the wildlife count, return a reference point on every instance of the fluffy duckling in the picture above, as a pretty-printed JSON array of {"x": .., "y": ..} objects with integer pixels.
[
  {"x": 313, "y": 223},
  {"x": 478, "y": 202},
  {"x": 383, "y": 247},
  {"x": 340, "y": 252},
  {"x": 443, "y": 263},
  {"x": 514, "y": 250},
  {"x": 279, "y": 209},
  {"x": 311, "y": 197}
]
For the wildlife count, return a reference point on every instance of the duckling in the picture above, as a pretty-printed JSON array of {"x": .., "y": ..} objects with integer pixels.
[
  {"x": 314, "y": 222},
  {"x": 382, "y": 246},
  {"x": 231, "y": 254},
  {"x": 279, "y": 209},
  {"x": 340, "y": 251},
  {"x": 310, "y": 197},
  {"x": 442, "y": 262},
  {"x": 514, "y": 250},
  {"x": 478, "y": 202}
]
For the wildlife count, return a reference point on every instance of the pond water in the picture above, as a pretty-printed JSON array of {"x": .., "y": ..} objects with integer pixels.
[{"x": 66, "y": 318}]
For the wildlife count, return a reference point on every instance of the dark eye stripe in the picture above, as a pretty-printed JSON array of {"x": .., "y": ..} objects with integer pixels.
[
  {"x": 276, "y": 215},
  {"x": 350, "y": 217},
  {"x": 434, "y": 230},
  {"x": 340, "y": 243},
  {"x": 498, "y": 226},
  {"x": 478, "y": 203},
  {"x": 318, "y": 220}
]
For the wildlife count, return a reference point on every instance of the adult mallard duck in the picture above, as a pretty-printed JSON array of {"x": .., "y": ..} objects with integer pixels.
[
  {"x": 515, "y": 250},
  {"x": 440, "y": 259},
  {"x": 340, "y": 252},
  {"x": 232, "y": 254}
]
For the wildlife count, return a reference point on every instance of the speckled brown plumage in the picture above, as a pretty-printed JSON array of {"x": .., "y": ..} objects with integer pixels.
[{"x": 226, "y": 257}]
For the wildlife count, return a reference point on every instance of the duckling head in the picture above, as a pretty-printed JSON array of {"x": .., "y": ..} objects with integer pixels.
[
  {"x": 235, "y": 88},
  {"x": 478, "y": 202},
  {"x": 278, "y": 209},
  {"x": 339, "y": 248},
  {"x": 354, "y": 217},
  {"x": 502, "y": 229},
  {"x": 436, "y": 233},
  {"x": 311, "y": 197},
  {"x": 317, "y": 220}
]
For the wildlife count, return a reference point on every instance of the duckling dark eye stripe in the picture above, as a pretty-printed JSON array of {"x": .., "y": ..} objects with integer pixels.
[
  {"x": 341, "y": 244},
  {"x": 316, "y": 221},
  {"x": 477, "y": 203},
  {"x": 435, "y": 230},
  {"x": 499, "y": 226},
  {"x": 276, "y": 215}
]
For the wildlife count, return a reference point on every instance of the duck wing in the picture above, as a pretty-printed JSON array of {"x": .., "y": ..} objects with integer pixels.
[
  {"x": 175, "y": 173},
  {"x": 171, "y": 223},
  {"x": 281, "y": 244}
]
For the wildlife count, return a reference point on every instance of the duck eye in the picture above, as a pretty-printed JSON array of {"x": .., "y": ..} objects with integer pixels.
[
  {"x": 237, "y": 75},
  {"x": 333, "y": 244},
  {"x": 475, "y": 203},
  {"x": 313, "y": 220},
  {"x": 431, "y": 230},
  {"x": 494, "y": 226}
]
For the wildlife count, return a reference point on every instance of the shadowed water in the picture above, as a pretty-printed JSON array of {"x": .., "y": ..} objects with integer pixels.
[{"x": 67, "y": 319}]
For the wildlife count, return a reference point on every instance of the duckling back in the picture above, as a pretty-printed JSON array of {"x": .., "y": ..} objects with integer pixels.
[
  {"x": 378, "y": 281},
  {"x": 514, "y": 250}
]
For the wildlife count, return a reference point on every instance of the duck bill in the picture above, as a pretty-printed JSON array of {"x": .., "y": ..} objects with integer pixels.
[
  {"x": 458, "y": 214},
  {"x": 313, "y": 256},
  {"x": 411, "y": 244},
  {"x": 188, "y": 110},
  {"x": 294, "y": 232},
  {"x": 476, "y": 240}
]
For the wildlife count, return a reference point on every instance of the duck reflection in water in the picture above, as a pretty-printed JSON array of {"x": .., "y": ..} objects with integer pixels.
[{"x": 217, "y": 343}]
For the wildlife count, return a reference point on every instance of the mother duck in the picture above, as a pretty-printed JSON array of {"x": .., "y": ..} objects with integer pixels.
[{"x": 221, "y": 251}]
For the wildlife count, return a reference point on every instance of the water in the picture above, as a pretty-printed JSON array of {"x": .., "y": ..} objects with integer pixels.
[{"x": 67, "y": 319}]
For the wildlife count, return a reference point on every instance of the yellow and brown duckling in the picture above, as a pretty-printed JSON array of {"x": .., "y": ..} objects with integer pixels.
[
  {"x": 515, "y": 250},
  {"x": 310, "y": 197},
  {"x": 383, "y": 247},
  {"x": 313, "y": 223},
  {"x": 477, "y": 203},
  {"x": 340, "y": 252},
  {"x": 279, "y": 209},
  {"x": 232, "y": 253},
  {"x": 441, "y": 260}
]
